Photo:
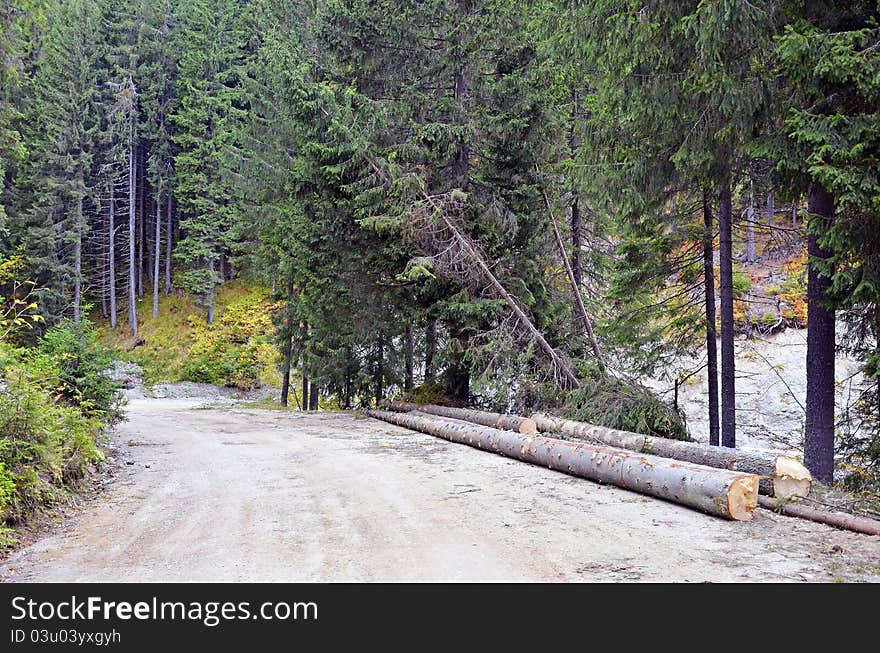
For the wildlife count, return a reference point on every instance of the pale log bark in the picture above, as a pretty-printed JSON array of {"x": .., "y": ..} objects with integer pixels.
[
  {"x": 494, "y": 420},
  {"x": 781, "y": 475},
  {"x": 728, "y": 494},
  {"x": 836, "y": 519}
]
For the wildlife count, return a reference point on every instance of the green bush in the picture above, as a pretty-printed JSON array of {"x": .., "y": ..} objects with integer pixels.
[
  {"x": 741, "y": 282},
  {"x": 82, "y": 363},
  {"x": 54, "y": 401}
]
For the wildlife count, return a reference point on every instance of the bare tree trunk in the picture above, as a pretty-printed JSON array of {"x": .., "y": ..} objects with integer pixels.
[
  {"x": 314, "y": 396},
  {"x": 305, "y": 392},
  {"x": 577, "y": 266},
  {"x": 347, "y": 390},
  {"x": 380, "y": 371},
  {"x": 750, "y": 226},
  {"x": 408, "y": 358},
  {"x": 728, "y": 378},
  {"x": 169, "y": 238},
  {"x": 149, "y": 240},
  {"x": 771, "y": 208},
  {"x": 112, "y": 274},
  {"x": 103, "y": 290},
  {"x": 304, "y": 336},
  {"x": 209, "y": 299},
  {"x": 156, "y": 252},
  {"x": 132, "y": 252},
  {"x": 285, "y": 375},
  {"x": 819, "y": 433},
  {"x": 711, "y": 331},
  {"x": 77, "y": 250},
  {"x": 430, "y": 350},
  {"x": 575, "y": 287},
  {"x": 140, "y": 221}
]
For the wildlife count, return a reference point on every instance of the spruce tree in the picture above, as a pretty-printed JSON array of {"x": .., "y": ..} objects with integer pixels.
[{"x": 211, "y": 43}]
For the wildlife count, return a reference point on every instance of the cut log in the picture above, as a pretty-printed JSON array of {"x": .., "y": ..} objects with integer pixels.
[
  {"x": 724, "y": 493},
  {"x": 494, "y": 420},
  {"x": 836, "y": 519},
  {"x": 782, "y": 476}
]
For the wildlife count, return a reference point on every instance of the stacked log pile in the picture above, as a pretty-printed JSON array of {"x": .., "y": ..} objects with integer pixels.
[
  {"x": 724, "y": 493},
  {"x": 716, "y": 480},
  {"x": 781, "y": 476}
]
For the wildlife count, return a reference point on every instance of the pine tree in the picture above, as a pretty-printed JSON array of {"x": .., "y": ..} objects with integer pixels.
[
  {"x": 65, "y": 120},
  {"x": 210, "y": 97},
  {"x": 830, "y": 60}
]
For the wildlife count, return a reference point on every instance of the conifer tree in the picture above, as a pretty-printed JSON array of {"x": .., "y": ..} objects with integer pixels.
[{"x": 211, "y": 45}]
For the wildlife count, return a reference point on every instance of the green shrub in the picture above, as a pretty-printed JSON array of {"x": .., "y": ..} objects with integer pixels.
[
  {"x": 54, "y": 401},
  {"x": 614, "y": 403},
  {"x": 741, "y": 282},
  {"x": 82, "y": 362}
]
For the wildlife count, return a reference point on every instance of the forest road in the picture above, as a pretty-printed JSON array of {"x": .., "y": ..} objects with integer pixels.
[{"x": 229, "y": 493}]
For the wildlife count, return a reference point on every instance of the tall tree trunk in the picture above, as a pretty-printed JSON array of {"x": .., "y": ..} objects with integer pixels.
[
  {"x": 304, "y": 338},
  {"x": 771, "y": 208},
  {"x": 112, "y": 273},
  {"x": 728, "y": 372},
  {"x": 457, "y": 376},
  {"x": 577, "y": 266},
  {"x": 132, "y": 262},
  {"x": 408, "y": 358},
  {"x": 149, "y": 236},
  {"x": 77, "y": 250},
  {"x": 430, "y": 350},
  {"x": 461, "y": 91},
  {"x": 103, "y": 290},
  {"x": 380, "y": 369},
  {"x": 285, "y": 370},
  {"x": 140, "y": 222},
  {"x": 348, "y": 361},
  {"x": 156, "y": 252},
  {"x": 711, "y": 332},
  {"x": 819, "y": 433},
  {"x": 305, "y": 391},
  {"x": 750, "y": 226},
  {"x": 314, "y": 396},
  {"x": 169, "y": 239},
  {"x": 209, "y": 298}
]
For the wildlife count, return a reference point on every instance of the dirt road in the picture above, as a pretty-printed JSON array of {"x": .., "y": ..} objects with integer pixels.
[{"x": 236, "y": 494}]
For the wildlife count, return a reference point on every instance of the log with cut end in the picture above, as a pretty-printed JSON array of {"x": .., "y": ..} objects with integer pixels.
[
  {"x": 493, "y": 420},
  {"x": 836, "y": 519},
  {"x": 782, "y": 476},
  {"x": 725, "y": 493}
]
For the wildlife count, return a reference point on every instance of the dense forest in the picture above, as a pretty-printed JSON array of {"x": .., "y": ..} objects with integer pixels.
[{"x": 490, "y": 202}]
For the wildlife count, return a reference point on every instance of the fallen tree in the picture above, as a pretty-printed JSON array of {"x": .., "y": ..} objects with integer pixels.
[
  {"x": 836, "y": 519},
  {"x": 782, "y": 476},
  {"x": 494, "y": 420},
  {"x": 723, "y": 493}
]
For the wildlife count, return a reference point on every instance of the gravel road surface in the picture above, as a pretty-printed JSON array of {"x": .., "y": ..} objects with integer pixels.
[{"x": 228, "y": 493}]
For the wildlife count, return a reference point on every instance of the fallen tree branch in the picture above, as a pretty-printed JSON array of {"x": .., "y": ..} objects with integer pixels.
[
  {"x": 576, "y": 291},
  {"x": 724, "y": 493},
  {"x": 836, "y": 519}
]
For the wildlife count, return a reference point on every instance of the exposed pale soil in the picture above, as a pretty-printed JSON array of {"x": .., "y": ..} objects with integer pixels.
[{"x": 227, "y": 493}]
